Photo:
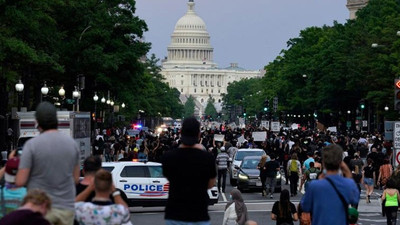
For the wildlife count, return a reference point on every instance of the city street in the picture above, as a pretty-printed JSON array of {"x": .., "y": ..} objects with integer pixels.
[{"x": 259, "y": 209}]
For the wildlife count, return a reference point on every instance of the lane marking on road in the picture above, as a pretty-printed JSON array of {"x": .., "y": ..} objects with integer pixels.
[{"x": 224, "y": 197}]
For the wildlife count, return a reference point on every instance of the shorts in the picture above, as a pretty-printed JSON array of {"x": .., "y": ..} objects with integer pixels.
[
  {"x": 369, "y": 181},
  {"x": 60, "y": 216}
]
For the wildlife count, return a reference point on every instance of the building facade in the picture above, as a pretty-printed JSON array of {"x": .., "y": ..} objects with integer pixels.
[
  {"x": 190, "y": 67},
  {"x": 354, "y": 6}
]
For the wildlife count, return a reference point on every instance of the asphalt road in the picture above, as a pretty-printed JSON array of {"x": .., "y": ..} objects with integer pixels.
[{"x": 259, "y": 209}]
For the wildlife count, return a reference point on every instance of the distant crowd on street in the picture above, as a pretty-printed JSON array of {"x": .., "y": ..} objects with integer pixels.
[{"x": 43, "y": 185}]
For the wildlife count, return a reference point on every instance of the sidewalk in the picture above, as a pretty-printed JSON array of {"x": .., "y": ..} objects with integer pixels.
[{"x": 374, "y": 206}]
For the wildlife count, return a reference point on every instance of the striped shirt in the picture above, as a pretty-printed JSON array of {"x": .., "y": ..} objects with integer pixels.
[{"x": 222, "y": 161}]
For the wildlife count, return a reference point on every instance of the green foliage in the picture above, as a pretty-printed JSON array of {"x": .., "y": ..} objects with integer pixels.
[
  {"x": 189, "y": 107},
  {"x": 339, "y": 65},
  {"x": 55, "y": 41},
  {"x": 210, "y": 109}
]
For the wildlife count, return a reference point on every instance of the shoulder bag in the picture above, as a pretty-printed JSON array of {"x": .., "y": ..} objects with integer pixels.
[{"x": 349, "y": 219}]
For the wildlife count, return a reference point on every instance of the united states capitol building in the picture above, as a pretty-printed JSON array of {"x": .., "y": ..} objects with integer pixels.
[{"x": 190, "y": 66}]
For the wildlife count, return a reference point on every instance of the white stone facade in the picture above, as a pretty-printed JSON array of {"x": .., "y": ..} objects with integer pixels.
[
  {"x": 190, "y": 68},
  {"x": 354, "y": 6}
]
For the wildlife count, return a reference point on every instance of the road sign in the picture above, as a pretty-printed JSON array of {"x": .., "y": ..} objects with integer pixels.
[
  {"x": 398, "y": 157},
  {"x": 396, "y": 135},
  {"x": 365, "y": 123},
  {"x": 389, "y": 130}
]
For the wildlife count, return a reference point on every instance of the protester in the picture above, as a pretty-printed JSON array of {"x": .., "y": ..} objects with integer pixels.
[
  {"x": 294, "y": 168},
  {"x": 391, "y": 198},
  {"x": 368, "y": 178},
  {"x": 315, "y": 199},
  {"x": 283, "y": 211},
  {"x": 385, "y": 172},
  {"x": 190, "y": 171},
  {"x": 12, "y": 195},
  {"x": 235, "y": 210},
  {"x": 222, "y": 165},
  {"x": 263, "y": 174},
  {"x": 101, "y": 210},
  {"x": 50, "y": 162},
  {"x": 310, "y": 175},
  {"x": 35, "y": 206},
  {"x": 271, "y": 167},
  {"x": 90, "y": 166}
]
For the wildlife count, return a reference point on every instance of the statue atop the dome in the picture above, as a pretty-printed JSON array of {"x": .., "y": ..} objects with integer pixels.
[{"x": 191, "y": 0}]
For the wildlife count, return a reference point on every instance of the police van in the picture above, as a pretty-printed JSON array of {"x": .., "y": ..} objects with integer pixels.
[{"x": 143, "y": 183}]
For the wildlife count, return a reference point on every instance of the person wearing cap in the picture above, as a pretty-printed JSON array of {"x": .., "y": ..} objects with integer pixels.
[
  {"x": 190, "y": 171},
  {"x": 222, "y": 161},
  {"x": 12, "y": 195},
  {"x": 50, "y": 162}
]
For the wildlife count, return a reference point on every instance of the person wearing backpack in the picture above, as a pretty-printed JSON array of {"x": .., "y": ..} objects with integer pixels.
[
  {"x": 309, "y": 175},
  {"x": 294, "y": 170}
]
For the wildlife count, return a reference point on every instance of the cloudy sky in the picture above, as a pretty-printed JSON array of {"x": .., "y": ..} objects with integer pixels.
[{"x": 249, "y": 32}]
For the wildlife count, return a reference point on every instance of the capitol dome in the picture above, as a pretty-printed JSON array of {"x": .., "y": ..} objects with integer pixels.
[
  {"x": 191, "y": 21},
  {"x": 190, "y": 42}
]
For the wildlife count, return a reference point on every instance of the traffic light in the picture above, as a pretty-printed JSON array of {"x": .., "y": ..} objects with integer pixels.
[
  {"x": 244, "y": 112},
  {"x": 397, "y": 94},
  {"x": 265, "y": 109},
  {"x": 362, "y": 104}
]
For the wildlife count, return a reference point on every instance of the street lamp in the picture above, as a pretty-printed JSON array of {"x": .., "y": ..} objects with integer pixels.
[
  {"x": 95, "y": 97},
  {"x": 112, "y": 103},
  {"x": 108, "y": 101},
  {"x": 61, "y": 92},
  {"x": 398, "y": 33},
  {"x": 123, "y": 105},
  {"x": 44, "y": 90},
  {"x": 19, "y": 87},
  {"x": 386, "y": 107},
  {"x": 75, "y": 93},
  {"x": 348, "y": 111},
  {"x": 304, "y": 75}
]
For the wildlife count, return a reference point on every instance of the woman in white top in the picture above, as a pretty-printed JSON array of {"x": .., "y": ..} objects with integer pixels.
[{"x": 235, "y": 210}]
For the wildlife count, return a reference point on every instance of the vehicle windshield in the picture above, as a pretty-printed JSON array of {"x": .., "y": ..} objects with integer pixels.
[
  {"x": 241, "y": 154},
  {"x": 250, "y": 163}
]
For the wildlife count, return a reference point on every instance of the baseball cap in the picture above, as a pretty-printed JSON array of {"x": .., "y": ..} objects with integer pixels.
[
  {"x": 190, "y": 131},
  {"x": 11, "y": 169}
]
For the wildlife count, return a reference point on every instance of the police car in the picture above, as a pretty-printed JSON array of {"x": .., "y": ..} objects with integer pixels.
[{"x": 143, "y": 183}]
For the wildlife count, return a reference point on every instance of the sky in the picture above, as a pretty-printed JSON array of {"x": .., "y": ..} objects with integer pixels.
[{"x": 249, "y": 32}]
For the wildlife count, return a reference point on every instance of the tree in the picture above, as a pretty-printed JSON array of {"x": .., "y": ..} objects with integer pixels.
[
  {"x": 210, "y": 109},
  {"x": 189, "y": 107}
]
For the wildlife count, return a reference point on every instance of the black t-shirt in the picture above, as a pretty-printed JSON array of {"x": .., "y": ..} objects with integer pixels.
[
  {"x": 270, "y": 168},
  {"x": 81, "y": 187},
  {"x": 188, "y": 171},
  {"x": 289, "y": 220},
  {"x": 24, "y": 217},
  {"x": 369, "y": 172}
]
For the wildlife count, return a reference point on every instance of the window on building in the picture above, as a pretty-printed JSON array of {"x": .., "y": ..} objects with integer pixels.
[
  {"x": 212, "y": 90},
  {"x": 201, "y": 90},
  {"x": 202, "y": 100},
  {"x": 219, "y": 100},
  {"x": 181, "y": 82},
  {"x": 219, "y": 91},
  {"x": 205, "y": 83},
  {"x": 182, "y": 90},
  {"x": 195, "y": 90}
]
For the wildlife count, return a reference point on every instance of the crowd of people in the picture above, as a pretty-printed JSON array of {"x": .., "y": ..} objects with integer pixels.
[{"x": 324, "y": 163}]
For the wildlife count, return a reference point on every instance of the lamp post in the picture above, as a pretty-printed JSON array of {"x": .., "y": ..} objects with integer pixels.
[
  {"x": 95, "y": 99},
  {"x": 19, "y": 87},
  {"x": 44, "y": 90},
  {"x": 75, "y": 94}
]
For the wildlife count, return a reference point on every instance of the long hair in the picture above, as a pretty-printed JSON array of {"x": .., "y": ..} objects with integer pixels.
[{"x": 284, "y": 205}]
